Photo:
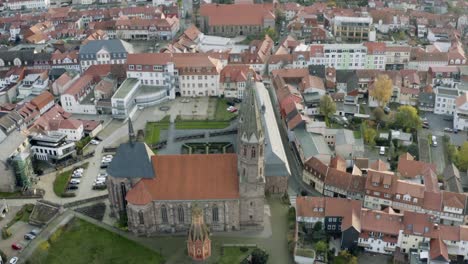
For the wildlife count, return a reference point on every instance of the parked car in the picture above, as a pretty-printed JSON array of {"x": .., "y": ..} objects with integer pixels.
[
  {"x": 448, "y": 129},
  {"x": 386, "y": 110},
  {"x": 76, "y": 176},
  {"x": 100, "y": 179},
  {"x": 16, "y": 246},
  {"x": 13, "y": 260},
  {"x": 103, "y": 174},
  {"x": 29, "y": 236},
  {"x": 94, "y": 142},
  {"x": 72, "y": 187},
  {"x": 425, "y": 125},
  {"x": 35, "y": 232},
  {"x": 434, "y": 141},
  {"x": 232, "y": 109},
  {"x": 382, "y": 151},
  {"x": 75, "y": 181},
  {"x": 79, "y": 170}
]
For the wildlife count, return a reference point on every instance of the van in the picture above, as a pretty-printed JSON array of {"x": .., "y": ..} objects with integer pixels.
[{"x": 382, "y": 151}]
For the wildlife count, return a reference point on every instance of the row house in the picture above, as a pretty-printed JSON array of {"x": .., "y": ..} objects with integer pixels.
[
  {"x": 73, "y": 100},
  {"x": 154, "y": 69},
  {"x": 26, "y": 58},
  {"x": 384, "y": 232},
  {"x": 421, "y": 60},
  {"x": 445, "y": 100},
  {"x": 198, "y": 73},
  {"x": 460, "y": 117},
  {"x": 447, "y": 76},
  {"x": 396, "y": 57},
  {"x": 376, "y": 58},
  {"x": 387, "y": 20},
  {"x": 147, "y": 29},
  {"x": 66, "y": 60}
]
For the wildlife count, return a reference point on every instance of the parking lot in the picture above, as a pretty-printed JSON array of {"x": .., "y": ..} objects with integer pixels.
[{"x": 18, "y": 230}]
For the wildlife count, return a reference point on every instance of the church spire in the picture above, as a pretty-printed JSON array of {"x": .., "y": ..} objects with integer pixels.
[
  {"x": 249, "y": 121},
  {"x": 131, "y": 132}
]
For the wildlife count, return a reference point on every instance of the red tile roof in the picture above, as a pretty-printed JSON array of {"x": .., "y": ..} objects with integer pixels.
[
  {"x": 188, "y": 177},
  {"x": 438, "y": 250},
  {"x": 409, "y": 168},
  {"x": 252, "y": 14},
  {"x": 42, "y": 100}
]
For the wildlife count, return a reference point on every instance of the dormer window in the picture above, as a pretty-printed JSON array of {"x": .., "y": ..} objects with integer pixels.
[
  {"x": 386, "y": 186},
  {"x": 415, "y": 200},
  {"x": 397, "y": 197}
]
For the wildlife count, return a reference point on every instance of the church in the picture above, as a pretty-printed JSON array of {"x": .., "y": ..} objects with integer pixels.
[{"x": 157, "y": 192}]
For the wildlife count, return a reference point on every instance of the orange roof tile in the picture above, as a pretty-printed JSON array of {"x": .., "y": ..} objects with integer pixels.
[
  {"x": 252, "y": 14},
  {"x": 42, "y": 100},
  {"x": 188, "y": 177}
]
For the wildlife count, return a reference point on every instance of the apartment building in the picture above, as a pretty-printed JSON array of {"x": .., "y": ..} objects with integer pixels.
[
  {"x": 198, "y": 74},
  {"x": 147, "y": 29},
  {"x": 460, "y": 117},
  {"x": 51, "y": 147},
  {"x": 353, "y": 28},
  {"x": 396, "y": 57},
  {"x": 445, "y": 100},
  {"x": 154, "y": 69},
  {"x": 79, "y": 97},
  {"x": 112, "y": 51},
  {"x": 233, "y": 80},
  {"x": 345, "y": 56},
  {"x": 376, "y": 58},
  {"x": 447, "y": 76},
  {"x": 26, "y": 4}
]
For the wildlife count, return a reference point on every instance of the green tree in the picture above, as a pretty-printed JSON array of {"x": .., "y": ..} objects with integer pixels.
[
  {"x": 279, "y": 18},
  {"x": 383, "y": 89},
  {"x": 321, "y": 247},
  {"x": 318, "y": 226},
  {"x": 378, "y": 114},
  {"x": 327, "y": 106},
  {"x": 271, "y": 32},
  {"x": 391, "y": 151},
  {"x": 344, "y": 257},
  {"x": 259, "y": 256},
  {"x": 368, "y": 134},
  {"x": 407, "y": 118},
  {"x": 462, "y": 157}
]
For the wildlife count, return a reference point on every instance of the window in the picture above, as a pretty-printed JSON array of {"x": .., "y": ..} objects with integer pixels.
[
  {"x": 180, "y": 214},
  {"x": 164, "y": 214},
  {"x": 253, "y": 153},
  {"x": 131, "y": 67},
  {"x": 215, "y": 214},
  {"x": 138, "y": 67},
  {"x": 141, "y": 218},
  {"x": 245, "y": 151}
]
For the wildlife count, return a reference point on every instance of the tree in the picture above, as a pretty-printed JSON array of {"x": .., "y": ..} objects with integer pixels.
[
  {"x": 279, "y": 18},
  {"x": 327, "y": 106},
  {"x": 344, "y": 257},
  {"x": 259, "y": 256},
  {"x": 391, "y": 151},
  {"x": 321, "y": 247},
  {"x": 378, "y": 114},
  {"x": 318, "y": 226},
  {"x": 407, "y": 118},
  {"x": 383, "y": 89},
  {"x": 271, "y": 32},
  {"x": 368, "y": 134},
  {"x": 462, "y": 157}
]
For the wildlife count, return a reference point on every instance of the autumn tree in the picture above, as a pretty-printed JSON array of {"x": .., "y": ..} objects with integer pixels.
[
  {"x": 383, "y": 89},
  {"x": 407, "y": 118},
  {"x": 327, "y": 106},
  {"x": 344, "y": 257}
]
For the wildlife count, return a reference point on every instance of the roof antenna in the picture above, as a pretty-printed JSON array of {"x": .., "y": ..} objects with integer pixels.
[{"x": 131, "y": 132}]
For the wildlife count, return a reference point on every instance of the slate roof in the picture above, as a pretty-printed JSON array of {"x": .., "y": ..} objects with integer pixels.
[
  {"x": 111, "y": 45},
  {"x": 132, "y": 160},
  {"x": 452, "y": 179}
]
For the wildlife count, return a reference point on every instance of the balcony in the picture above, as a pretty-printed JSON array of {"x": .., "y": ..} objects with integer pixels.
[{"x": 389, "y": 249}]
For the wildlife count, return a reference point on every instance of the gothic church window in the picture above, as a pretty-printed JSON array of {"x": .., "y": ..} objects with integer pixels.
[
  {"x": 215, "y": 214},
  {"x": 141, "y": 218},
  {"x": 253, "y": 153},
  {"x": 245, "y": 151},
  {"x": 164, "y": 214},
  {"x": 180, "y": 213}
]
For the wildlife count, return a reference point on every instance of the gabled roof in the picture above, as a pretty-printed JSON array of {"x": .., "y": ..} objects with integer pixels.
[
  {"x": 452, "y": 179},
  {"x": 188, "y": 177},
  {"x": 111, "y": 45},
  {"x": 42, "y": 100},
  {"x": 132, "y": 160},
  {"x": 438, "y": 250}
]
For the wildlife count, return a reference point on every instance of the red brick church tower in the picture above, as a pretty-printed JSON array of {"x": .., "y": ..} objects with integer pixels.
[{"x": 198, "y": 243}]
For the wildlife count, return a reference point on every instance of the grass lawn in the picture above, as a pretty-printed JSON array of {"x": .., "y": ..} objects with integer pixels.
[
  {"x": 10, "y": 194},
  {"x": 62, "y": 179},
  {"x": 233, "y": 255},
  {"x": 153, "y": 130},
  {"x": 221, "y": 113},
  {"x": 201, "y": 124},
  {"x": 21, "y": 215},
  {"x": 80, "y": 242}
]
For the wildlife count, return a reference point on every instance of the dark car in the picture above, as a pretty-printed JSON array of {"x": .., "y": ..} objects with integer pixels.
[{"x": 73, "y": 187}]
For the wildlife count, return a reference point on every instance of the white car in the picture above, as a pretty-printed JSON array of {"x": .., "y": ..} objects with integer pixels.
[
  {"x": 98, "y": 183},
  {"x": 75, "y": 181},
  {"x": 94, "y": 142},
  {"x": 13, "y": 260},
  {"x": 79, "y": 170},
  {"x": 99, "y": 179},
  {"x": 382, "y": 151},
  {"x": 103, "y": 174}
]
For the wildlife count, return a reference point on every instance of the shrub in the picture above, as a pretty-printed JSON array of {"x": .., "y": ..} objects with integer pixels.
[
  {"x": 68, "y": 194},
  {"x": 244, "y": 249},
  {"x": 6, "y": 233}
]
